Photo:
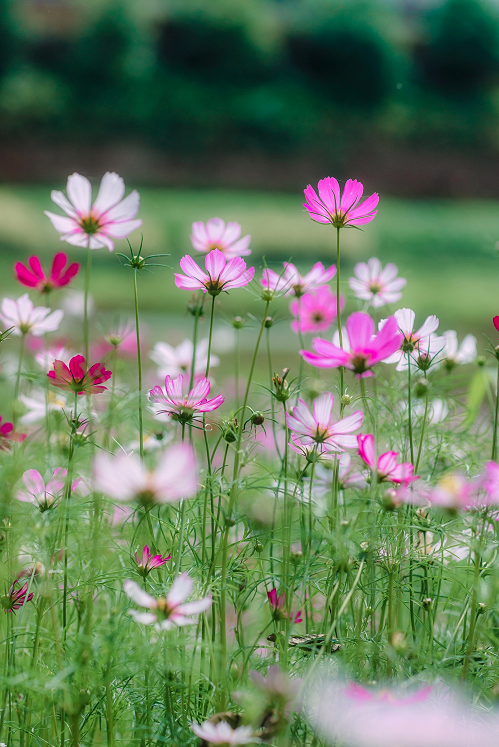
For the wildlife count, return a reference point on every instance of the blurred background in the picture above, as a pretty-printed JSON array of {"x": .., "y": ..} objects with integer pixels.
[{"x": 230, "y": 108}]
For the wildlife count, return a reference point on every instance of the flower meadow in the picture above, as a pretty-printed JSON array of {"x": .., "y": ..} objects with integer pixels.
[{"x": 287, "y": 557}]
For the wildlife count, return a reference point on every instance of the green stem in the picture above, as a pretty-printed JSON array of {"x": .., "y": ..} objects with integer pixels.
[
  {"x": 494, "y": 437},
  {"x": 194, "y": 347},
  {"x": 409, "y": 406},
  {"x": 85, "y": 309},
  {"x": 18, "y": 379},
  {"x": 210, "y": 337},
  {"x": 139, "y": 364},
  {"x": 422, "y": 430}
]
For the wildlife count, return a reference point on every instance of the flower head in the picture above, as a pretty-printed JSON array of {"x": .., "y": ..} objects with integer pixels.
[
  {"x": 222, "y": 733},
  {"x": 172, "y": 361},
  {"x": 452, "y": 354},
  {"x": 364, "y": 349},
  {"x": 184, "y": 407},
  {"x": 376, "y": 284},
  {"x": 216, "y": 235},
  {"x": 41, "y": 495},
  {"x": 348, "y": 476},
  {"x": 453, "y": 492},
  {"x": 341, "y": 210},
  {"x": 95, "y": 226},
  {"x": 388, "y": 469},
  {"x": 39, "y": 404},
  {"x": 16, "y": 597},
  {"x": 278, "y": 605},
  {"x": 169, "y": 612},
  {"x": 76, "y": 378},
  {"x": 291, "y": 282},
  {"x": 26, "y": 318},
  {"x": 221, "y": 275},
  {"x": 319, "y": 428},
  {"x": 420, "y": 346},
  {"x": 280, "y": 690},
  {"x": 316, "y": 311},
  {"x": 146, "y": 561},
  {"x": 34, "y": 277},
  {"x": 7, "y": 434}
]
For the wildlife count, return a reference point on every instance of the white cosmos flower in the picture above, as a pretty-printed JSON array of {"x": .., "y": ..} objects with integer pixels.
[
  {"x": 172, "y": 361},
  {"x": 454, "y": 354},
  {"x": 421, "y": 343},
  {"x": 223, "y": 734},
  {"x": 38, "y": 404},
  {"x": 24, "y": 317},
  {"x": 376, "y": 284},
  {"x": 169, "y": 612}
]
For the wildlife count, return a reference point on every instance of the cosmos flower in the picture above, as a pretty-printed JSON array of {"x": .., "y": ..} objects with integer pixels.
[
  {"x": 279, "y": 689},
  {"x": 376, "y": 284},
  {"x": 58, "y": 352},
  {"x": 25, "y": 318},
  {"x": 387, "y": 468},
  {"x": 38, "y": 404},
  {"x": 76, "y": 378},
  {"x": 216, "y": 235},
  {"x": 319, "y": 427},
  {"x": 453, "y": 354},
  {"x": 121, "y": 339},
  {"x": 16, "y": 597},
  {"x": 278, "y": 605},
  {"x": 41, "y": 495},
  {"x": 34, "y": 276},
  {"x": 95, "y": 226},
  {"x": 316, "y": 311},
  {"x": 223, "y": 734},
  {"x": 221, "y": 275},
  {"x": 348, "y": 476},
  {"x": 291, "y": 282},
  {"x": 172, "y": 361},
  {"x": 7, "y": 435},
  {"x": 420, "y": 345},
  {"x": 453, "y": 492},
  {"x": 146, "y": 561},
  {"x": 170, "y": 612},
  {"x": 184, "y": 407},
  {"x": 341, "y": 210}
]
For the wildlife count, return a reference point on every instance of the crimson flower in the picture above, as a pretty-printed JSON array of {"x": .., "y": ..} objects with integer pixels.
[
  {"x": 278, "y": 604},
  {"x": 16, "y": 598},
  {"x": 7, "y": 434},
  {"x": 59, "y": 276},
  {"x": 147, "y": 561},
  {"x": 75, "y": 377}
]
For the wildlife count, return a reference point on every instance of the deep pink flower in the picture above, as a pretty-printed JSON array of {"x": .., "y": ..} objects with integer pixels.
[
  {"x": 292, "y": 283},
  {"x": 376, "y": 284},
  {"x": 16, "y": 597},
  {"x": 216, "y": 235},
  {"x": 342, "y": 210},
  {"x": 495, "y": 322},
  {"x": 60, "y": 275},
  {"x": 318, "y": 428},
  {"x": 315, "y": 312},
  {"x": 94, "y": 226},
  {"x": 7, "y": 435},
  {"x": 220, "y": 275},
  {"x": 76, "y": 378},
  {"x": 184, "y": 407},
  {"x": 278, "y": 604},
  {"x": 365, "y": 348},
  {"x": 146, "y": 561},
  {"x": 166, "y": 613},
  {"x": 388, "y": 469},
  {"x": 41, "y": 495}
]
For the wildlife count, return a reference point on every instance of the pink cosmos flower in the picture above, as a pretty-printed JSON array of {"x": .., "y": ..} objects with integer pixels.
[
  {"x": 292, "y": 283},
  {"x": 489, "y": 482},
  {"x": 376, "y": 284},
  {"x": 41, "y": 495},
  {"x": 315, "y": 312},
  {"x": 172, "y": 361},
  {"x": 348, "y": 476},
  {"x": 121, "y": 339},
  {"x": 216, "y": 235},
  {"x": 365, "y": 348},
  {"x": 278, "y": 605},
  {"x": 76, "y": 378},
  {"x": 16, "y": 597},
  {"x": 387, "y": 467},
  {"x": 419, "y": 345},
  {"x": 25, "y": 318},
  {"x": 146, "y": 561},
  {"x": 184, "y": 407},
  {"x": 319, "y": 428},
  {"x": 7, "y": 435},
  {"x": 222, "y": 733},
  {"x": 364, "y": 695},
  {"x": 279, "y": 689},
  {"x": 60, "y": 275},
  {"x": 58, "y": 352},
  {"x": 341, "y": 210},
  {"x": 453, "y": 492},
  {"x": 125, "y": 478},
  {"x": 169, "y": 612},
  {"x": 94, "y": 226},
  {"x": 220, "y": 275}
]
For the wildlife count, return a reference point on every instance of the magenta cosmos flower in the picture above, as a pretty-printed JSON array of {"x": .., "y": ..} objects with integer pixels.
[
  {"x": 146, "y": 561},
  {"x": 387, "y": 468},
  {"x": 216, "y": 235},
  {"x": 170, "y": 612},
  {"x": 278, "y": 605},
  {"x": 7, "y": 435},
  {"x": 125, "y": 478},
  {"x": 221, "y": 275},
  {"x": 223, "y": 734},
  {"x": 75, "y": 377},
  {"x": 376, "y": 284},
  {"x": 41, "y": 495},
  {"x": 292, "y": 283},
  {"x": 95, "y": 226},
  {"x": 365, "y": 348},
  {"x": 318, "y": 429},
  {"x": 16, "y": 597},
  {"x": 25, "y": 318},
  {"x": 183, "y": 407},
  {"x": 315, "y": 312},
  {"x": 341, "y": 210},
  {"x": 34, "y": 277}
]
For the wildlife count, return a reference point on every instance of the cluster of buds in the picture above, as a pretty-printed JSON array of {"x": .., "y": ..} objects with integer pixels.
[{"x": 281, "y": 386}]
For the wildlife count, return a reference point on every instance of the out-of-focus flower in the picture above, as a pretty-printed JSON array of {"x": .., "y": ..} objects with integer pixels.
[
  {"x": 281, "y": 691},
  {"x": 28, "y": 319},
  {"x": 183, "y": 407},
  {"x": 216, "y": 235},
  {"x": 34, "y": 277},
  {"x": 166, "y": 613},
  {"x": 365, "y": 349},
  {"x": 291, "y": 282},
  {"x": 38, "y": 404},
  {"x": 376, "y": 284},
  {"x": 41, "y": 495},
  {"x": 318, "y": 427},
  {"x": 222, "y": 733},
  {"x": 16, "y": 597},
  {"x": 221, "y": 275},
  {"x": 489, "y": 482},
  {"x": 45, "y": 357},
  {"x": 495, "y": 322},
  {"x": 341, "y": 210},
  {"x": 438, "y": 410},
  {"x": 315, "y": 312},
  {"x": 453, "y": 492},
  {"x": 7, "y": 435},
  {"x": 95, "y": 226},
  {"x": 125, "y": 478},
  {"x": 146, "y": 561},
  {"x": 387, "y": 467},
  {"x": 76, "y": 378},
  {"x": 120, "y": 515},
  {"x": 73, "y": 304},
  {"x": 172, "y": 361},
  {"x": 348, "y": 477},
  {"x": 415, "y": 344},
  {"x": 152, "y": 441},
  {"x": 120, "y": 338},
  {"x": 453, "y": 354},
  {"x": 278, "y": 605}
]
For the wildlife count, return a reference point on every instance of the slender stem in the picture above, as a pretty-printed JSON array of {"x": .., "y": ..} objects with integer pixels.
[
  {"x": 409, "y": 406},
  {"x": 302, "y": 347},
  {"x": 494, "y": 436},
  {"x": 139, "y": 364},
  {"x": 236, "y": 366},
  {"x": 210, "y": 337},
  {"x": 338, "y": 306},
  {"x": 18, "y": 379},
  {"x": 194, "y": 347},
  {"x": 85, "y": 309},
  {"x": 422, "y": 429}
]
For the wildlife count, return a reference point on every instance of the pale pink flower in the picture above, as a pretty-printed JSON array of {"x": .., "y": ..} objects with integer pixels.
[
  {"x": 120, "y": 515},
  {"x": 125, "y": 478},
  {"x": 348, "y": 476},
  {"x": 319, "y": 427},
  {"x": 453, "y": 492},
  {"x": 223, "y": 734},
  {"x": 172, "y": 361},
  {"x": 364, "y": 695},
  {"x": 184, "y": 407},
  {"x": 41, "y": 495},
  {"x": 280, "y": 689},
  {"x": 388, "y": 469},
  {"x": 292, "y": 283},
  {"x": 419, "y": 345},
  {"x": 216, "y": 235},
  {"x": 376, "y": 284},
  {"x": 315, "y": 312},
  {"x": 58, "y": 352},
  {"x": 489, "y": 482},
  {"x": 365, "y": 349},
  {"x": 39, "y": 404},
  {"x": 26, "y": 318},
  {"x": 146, "y": 561},
  {"x": 341, "y": 210},
  {"x": 221, "y": 275},
  {"x": 170, "y": 612},
  {"x": 95, "y": 226}
]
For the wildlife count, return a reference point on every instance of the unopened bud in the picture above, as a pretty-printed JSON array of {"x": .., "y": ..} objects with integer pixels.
[
  {"x": 424, "y": 362},
  {"x": 230, "y": 431},
  {"x": 238, "y": 322},
  {"x": 481, "y": 608},
  {"x": 229, "y": 522},
  {"x": 258, "y": 418},
  {"x": 281, "y": 386},
  {"x": 427, "y": 603},
  {"x": 195, "y": 306},
  {"x": 481, "y": 360},
  {"x": 296, "y": 553},
  {"x": 268, "y": 295},
  {"x": 399, "y": 642},
  {"x": 258, "y": 546},
  {"x": 390, "y": 500},
  {"x": 346, "y": 400},
  {"x": 268, "y": 322},
  {"x": 421, "y": 387}
]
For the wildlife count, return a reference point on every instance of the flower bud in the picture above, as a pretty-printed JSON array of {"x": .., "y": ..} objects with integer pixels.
[
  {"x": 258, "y": 418},
  {"x": 390, "y": 500},
  {"x": 423, "y": 362},
  {"x": 230, "y": 431},
  {"x": 422, "y": 387},
  {"x": 481, "y": 608},
  {"x": 195, "y": 306},
  {"x": 238, "y": 322},
  {"x": 258, "y": 546},
  {"x": 281, "y": 386},
  {"x": 229, "y": 522},
  {"x": 346, "y": 400},
  {"x": 267, "y": 295},
  {"x": 481, "y": 360},
  {"x": 427, "y": 603},
  {"x": 269, "y": 322}
]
